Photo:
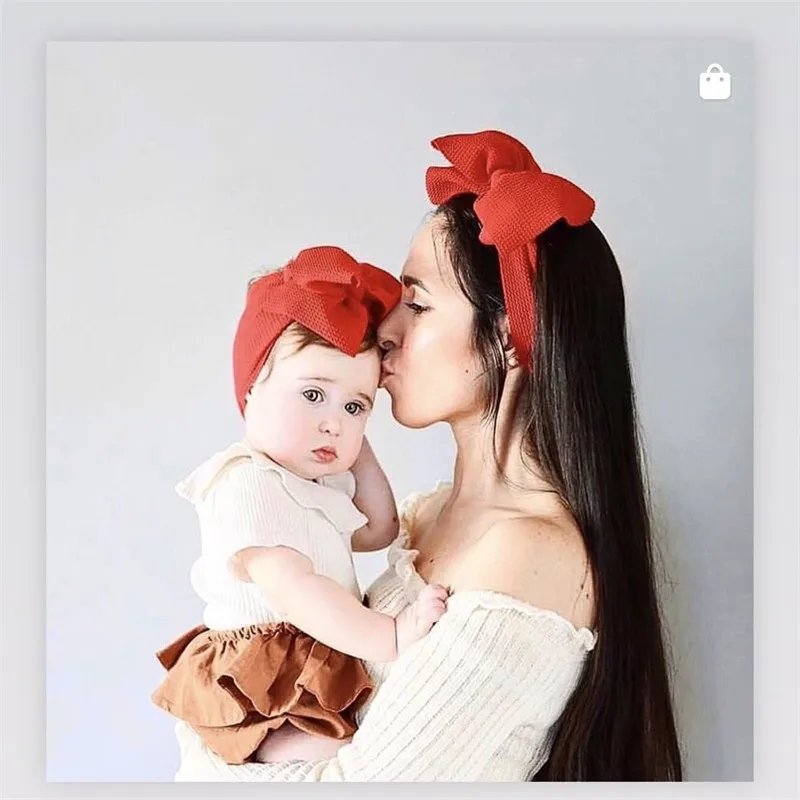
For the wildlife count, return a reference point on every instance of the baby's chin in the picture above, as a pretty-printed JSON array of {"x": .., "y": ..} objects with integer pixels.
[{"x": 340, "y": 465}]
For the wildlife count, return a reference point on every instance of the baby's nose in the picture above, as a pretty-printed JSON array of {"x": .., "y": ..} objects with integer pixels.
[{"x": 331, "y": 425}]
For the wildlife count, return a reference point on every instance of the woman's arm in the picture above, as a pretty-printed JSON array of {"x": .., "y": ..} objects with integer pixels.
[
  {"x": 450, "y": 702},
  {"x": 374, "y": 498},
  {"x": 329, "y": 613}
]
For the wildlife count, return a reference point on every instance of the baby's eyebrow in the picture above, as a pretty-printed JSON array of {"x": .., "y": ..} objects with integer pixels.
[{"x": 366, "y": 398}]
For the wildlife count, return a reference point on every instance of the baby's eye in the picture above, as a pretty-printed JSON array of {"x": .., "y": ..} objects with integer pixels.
[
  {"x": 312, "y": 395},
  {"x": 353, "y": 408},
  {"x": 416, "y": 308}
]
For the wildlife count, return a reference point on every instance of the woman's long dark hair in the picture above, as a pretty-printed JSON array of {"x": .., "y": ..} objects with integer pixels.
[{"x": 576, "y": 409}]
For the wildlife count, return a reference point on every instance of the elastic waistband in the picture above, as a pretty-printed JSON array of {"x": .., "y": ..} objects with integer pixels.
[{"x": 250, "y": 631}]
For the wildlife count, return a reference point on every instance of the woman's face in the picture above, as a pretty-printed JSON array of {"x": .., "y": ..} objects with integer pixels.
[{"x": 430, "y": 369}]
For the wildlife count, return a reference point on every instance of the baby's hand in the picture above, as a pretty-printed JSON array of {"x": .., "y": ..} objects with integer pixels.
[{"x": 416, "y": 619}]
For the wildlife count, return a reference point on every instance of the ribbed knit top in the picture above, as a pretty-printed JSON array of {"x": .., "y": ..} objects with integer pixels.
[
  {"x": 244, "y": 499},
  {"x": 474, "y": 700}
]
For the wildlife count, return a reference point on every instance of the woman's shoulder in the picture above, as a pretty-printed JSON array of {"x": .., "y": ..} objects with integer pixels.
[{"x": 539, "y": 561}]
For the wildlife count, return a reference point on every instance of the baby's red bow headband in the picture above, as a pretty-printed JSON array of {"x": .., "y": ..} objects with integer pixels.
[
  {"x": 516, "y": 202},
  {"x": 325, "y": 290}
]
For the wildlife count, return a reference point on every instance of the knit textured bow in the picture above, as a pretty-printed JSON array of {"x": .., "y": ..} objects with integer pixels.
[
  {"x": 516, "y": 202},
  {"x": 325, "y": 290}
]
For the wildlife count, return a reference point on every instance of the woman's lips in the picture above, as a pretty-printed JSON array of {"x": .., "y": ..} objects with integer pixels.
[
  {"x": 385, "y": 375},
  {"x": 325, "y": 455}
]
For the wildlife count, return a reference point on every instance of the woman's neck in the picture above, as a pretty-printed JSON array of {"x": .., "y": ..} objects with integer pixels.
[
  {"x": 489, "y": 457},
  {"x": 481, "y": 472}
]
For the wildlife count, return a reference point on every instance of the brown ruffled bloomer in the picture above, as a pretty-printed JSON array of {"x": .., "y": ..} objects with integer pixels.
[{"x": 234, "y": 687}]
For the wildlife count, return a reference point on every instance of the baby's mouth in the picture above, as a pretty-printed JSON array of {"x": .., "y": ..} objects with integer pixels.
[{"x": 325, "y": 455}]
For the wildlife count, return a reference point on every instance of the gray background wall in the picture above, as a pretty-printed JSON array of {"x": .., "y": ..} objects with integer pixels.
[{"x": 175, "y": 171}]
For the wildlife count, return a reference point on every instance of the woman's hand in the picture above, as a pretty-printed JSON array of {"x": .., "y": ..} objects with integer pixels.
[{"x": 417, "y": 618}]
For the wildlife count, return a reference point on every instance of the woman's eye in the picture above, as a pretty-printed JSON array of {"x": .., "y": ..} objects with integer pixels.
[
  {"x": 416, "y": 308},
  {"x": 312, "y": 395},
  {"x": 353, "y": 408}
]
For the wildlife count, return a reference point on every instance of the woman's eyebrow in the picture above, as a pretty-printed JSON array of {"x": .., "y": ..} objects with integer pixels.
[{"x": 410, "y": 280}]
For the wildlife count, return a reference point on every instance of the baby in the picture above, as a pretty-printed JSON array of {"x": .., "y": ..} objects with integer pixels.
[{"x": 275, "y": 671}]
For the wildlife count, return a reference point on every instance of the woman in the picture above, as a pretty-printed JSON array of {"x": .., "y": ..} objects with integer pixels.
[{"x": 549, "y": 663}]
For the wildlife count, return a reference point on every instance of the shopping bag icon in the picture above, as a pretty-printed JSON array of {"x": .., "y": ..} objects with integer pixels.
[{"x": 715, "y": 83}]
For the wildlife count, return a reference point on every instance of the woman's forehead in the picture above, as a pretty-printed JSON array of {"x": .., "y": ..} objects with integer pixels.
[{"x": 427, "y": 263}]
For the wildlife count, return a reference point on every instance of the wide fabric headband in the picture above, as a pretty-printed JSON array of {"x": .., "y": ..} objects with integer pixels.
[
  {"x": 323, "y": 289},
  {"x": 516, "y": 202}
]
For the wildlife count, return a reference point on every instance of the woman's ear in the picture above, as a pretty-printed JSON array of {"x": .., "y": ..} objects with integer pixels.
[{"x": 508, "y": 348}]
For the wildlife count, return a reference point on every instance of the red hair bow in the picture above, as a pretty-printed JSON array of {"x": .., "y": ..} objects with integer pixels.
[
  {"x": 325, "y": 290},
  {"x": 516, "y": 202}
]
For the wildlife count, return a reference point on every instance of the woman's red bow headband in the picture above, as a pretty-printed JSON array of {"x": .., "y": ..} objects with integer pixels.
[
  {"x": 325, "y": 290},
  {"x": 516, "y": 202}
]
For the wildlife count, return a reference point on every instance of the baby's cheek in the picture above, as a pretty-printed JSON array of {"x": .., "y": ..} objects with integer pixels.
[
  {"x": 355, "y": 436},
  {"x": 296, "y": 425},
  {"x": 283, "y": 429}
]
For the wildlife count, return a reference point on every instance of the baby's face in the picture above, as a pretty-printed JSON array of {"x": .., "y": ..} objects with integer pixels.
[{"x": 309, "y": 413}]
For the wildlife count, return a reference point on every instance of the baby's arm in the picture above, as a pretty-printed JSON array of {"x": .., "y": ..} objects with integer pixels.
[
  {"x": 329, "y": 613},
  {"x": 375, "y": 500}
]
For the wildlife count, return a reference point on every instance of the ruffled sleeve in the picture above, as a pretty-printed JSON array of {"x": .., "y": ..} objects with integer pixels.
[
  {"x": 249, "y": 507},
  {"x": 248, "y": 500},
  {"x": 490, "y": 665}
]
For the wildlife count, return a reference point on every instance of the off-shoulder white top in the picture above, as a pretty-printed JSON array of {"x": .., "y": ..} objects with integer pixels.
[{"x": 474, "y": 700}]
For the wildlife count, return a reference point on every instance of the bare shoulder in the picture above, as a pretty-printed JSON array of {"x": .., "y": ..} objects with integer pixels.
[{"x": 539, "y": 561}]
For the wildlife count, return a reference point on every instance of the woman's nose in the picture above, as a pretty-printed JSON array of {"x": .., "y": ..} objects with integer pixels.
[{"x": 388, "y": 333}]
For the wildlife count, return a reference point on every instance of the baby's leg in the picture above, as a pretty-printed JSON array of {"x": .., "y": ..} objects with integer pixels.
[{"x": 288, "y": 743}]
